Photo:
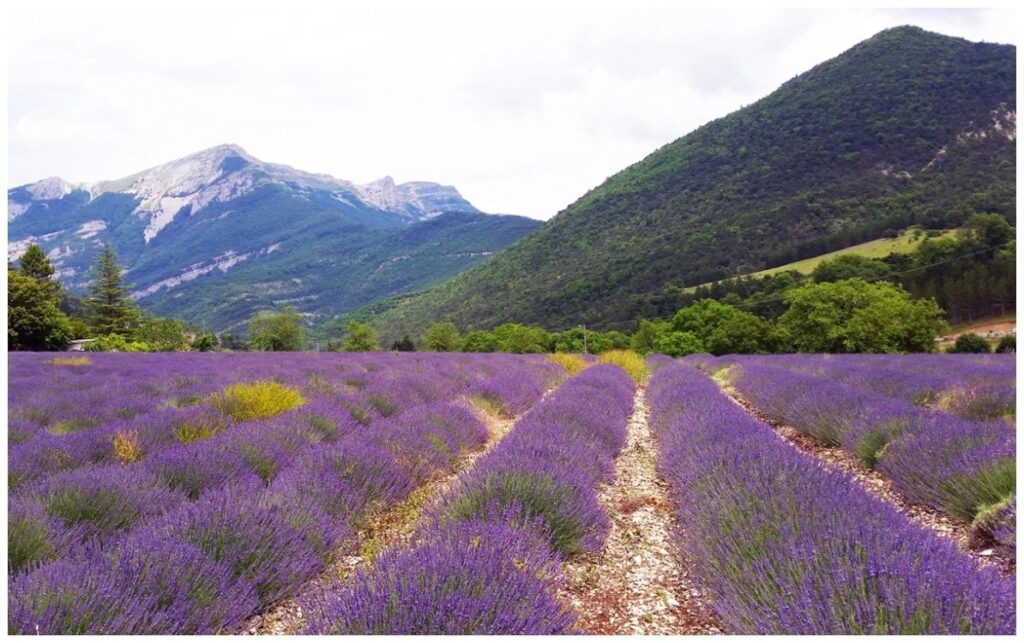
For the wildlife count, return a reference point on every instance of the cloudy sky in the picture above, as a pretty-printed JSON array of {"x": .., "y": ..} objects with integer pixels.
[{"x": 523, "y": 108}]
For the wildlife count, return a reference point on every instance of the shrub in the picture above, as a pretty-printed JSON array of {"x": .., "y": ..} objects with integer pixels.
[
  {"x": 525, "y": 499},
  {"x": 969, "y": 494},
  {"x": 162, "y": 334},
  {"x": 479, "y": 341},
  {"x": 257, "y": 400},
  {"x": 277, "y": 331},
  {"x": 423, "y": 440},
  {"x": 997, "y": 523},
  {"x": 628, "y": 361},
  {"x": 347, "y": 480},
  {"x": 441, "y": 337},
  {"x": 572, "y": 363},
  {"x": 473, "y": 579},
  {"x": 384, "y": 406},
  {"x": 116, "y": 343},
  {"x": 33, "y": 537},
  {"x": 126, "y": 446},
  {"x": 103, "y": 501},
  {"x": 980, "y": 402},
  {"x": 256, "y": 539},
  {"x": 1008, "y": 344},
  {"x": 360, "y": 338},
  {"x": 970, "y": 343},
  {"x": 70, "y": 361},
  {"x": 507, "y": 396},
  {"x": 955, "y": 465},
  {"x": 71, "y": 425},
  {"x": 200, "y": 424},
  {"x": 678, "y": 344},
  {"x": 140, "y": 586},
  {"x": 196, "y": 469},
  {"x": 47, "y": 454},
  {"x": 360, "y": 415}
]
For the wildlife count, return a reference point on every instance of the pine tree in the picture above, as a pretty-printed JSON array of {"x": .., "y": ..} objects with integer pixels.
[
  {"x": 113, "y": 311},
  {"x": 34, "y": 263}
]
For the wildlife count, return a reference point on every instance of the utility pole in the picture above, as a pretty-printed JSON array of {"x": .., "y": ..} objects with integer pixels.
[{"x": 584, "y": 327}]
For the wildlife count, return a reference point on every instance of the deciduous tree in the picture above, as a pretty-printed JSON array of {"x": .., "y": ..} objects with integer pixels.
[
  {"x": 360, "y": 337},
  {"x": 277, "y": 331},
  {"x": 441, "y": 337},
  {"x": 33, "y": 319},
  {"x": 854, "y": 316}
]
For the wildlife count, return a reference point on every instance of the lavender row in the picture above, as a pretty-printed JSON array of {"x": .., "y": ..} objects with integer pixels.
[
  {"x": 245, "y": 545},
  {"x": 966, "y": 469},
  {"x": 260, "y": 448},
  {"x": 113, "y": 411},
  {"x": 264, "y": 504},
  {"x": 786, "y": 547},
  {"x": 968, "y": 386},
  {"x": 488, "y": 560}
]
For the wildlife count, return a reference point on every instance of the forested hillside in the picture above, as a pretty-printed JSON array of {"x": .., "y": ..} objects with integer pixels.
[{"x": 908, "y": 127}]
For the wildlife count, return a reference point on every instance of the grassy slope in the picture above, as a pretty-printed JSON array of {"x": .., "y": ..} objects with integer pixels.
[{"x": 905, "y": 243}]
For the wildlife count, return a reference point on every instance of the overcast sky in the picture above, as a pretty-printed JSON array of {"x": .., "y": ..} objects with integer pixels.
[{"x": 522, "y": 109}]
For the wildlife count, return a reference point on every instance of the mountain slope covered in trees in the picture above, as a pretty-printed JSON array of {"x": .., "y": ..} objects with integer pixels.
[{"x": 908, "y": 127}]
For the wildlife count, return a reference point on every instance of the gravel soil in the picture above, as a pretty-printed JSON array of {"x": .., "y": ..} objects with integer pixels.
[{"x": 636, "y": 584}]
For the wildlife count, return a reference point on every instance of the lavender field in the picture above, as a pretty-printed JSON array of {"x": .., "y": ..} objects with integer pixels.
[{"x": 362, "y": 493}]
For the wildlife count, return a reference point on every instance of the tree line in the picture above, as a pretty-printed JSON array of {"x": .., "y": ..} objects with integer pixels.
[
  {"x": 846, "y": 315},
  {"x": 43, "y": 316},
  {"x": 971, "y": 275},
  {"x": 847, "y": 304}
]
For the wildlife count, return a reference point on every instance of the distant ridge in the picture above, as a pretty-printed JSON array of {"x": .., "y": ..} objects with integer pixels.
[{"x": 216, "y": 235}]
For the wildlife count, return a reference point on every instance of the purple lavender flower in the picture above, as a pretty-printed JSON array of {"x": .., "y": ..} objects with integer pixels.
[
  {"x": 474, "y": 579},
  {"x": 786, "y": 547},
  {"x": 274, "y": 545},
  {"x": 544, "y": 473},
  {"x": 33, "y": 536},
  {"x": 138, "y": 586},
  {"x": 103, "y": 501}
]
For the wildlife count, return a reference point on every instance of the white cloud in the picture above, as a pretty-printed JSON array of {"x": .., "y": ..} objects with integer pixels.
[{"x": 523, "y": 108}]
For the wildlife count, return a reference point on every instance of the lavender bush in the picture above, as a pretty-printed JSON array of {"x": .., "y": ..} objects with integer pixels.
[
  {"x": 475, "y": 578},
  {"x": 272, "y": 545},
  {"x": 103, "y": 502},
  {"x": 548, "y": 466},
  {"x": 33, "y": 536},
  {"x": 955, "y": 465},
  {"x": 787, "y": 547},
  {"x": 141, "y": 585}
]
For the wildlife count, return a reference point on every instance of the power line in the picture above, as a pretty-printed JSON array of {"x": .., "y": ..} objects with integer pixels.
[{"x": 782, "y": 297}]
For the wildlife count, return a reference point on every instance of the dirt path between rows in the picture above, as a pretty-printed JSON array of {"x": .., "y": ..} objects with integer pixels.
[
  {"x": 637, "y": 584},
  {"x": 882, "y": 488},
  {"x": 387, "y": 529}
]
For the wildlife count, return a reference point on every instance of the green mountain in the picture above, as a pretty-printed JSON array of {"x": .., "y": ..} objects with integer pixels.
[
  {"x": 908, "y": 127},
  {"x": 341, "y": 272}
]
